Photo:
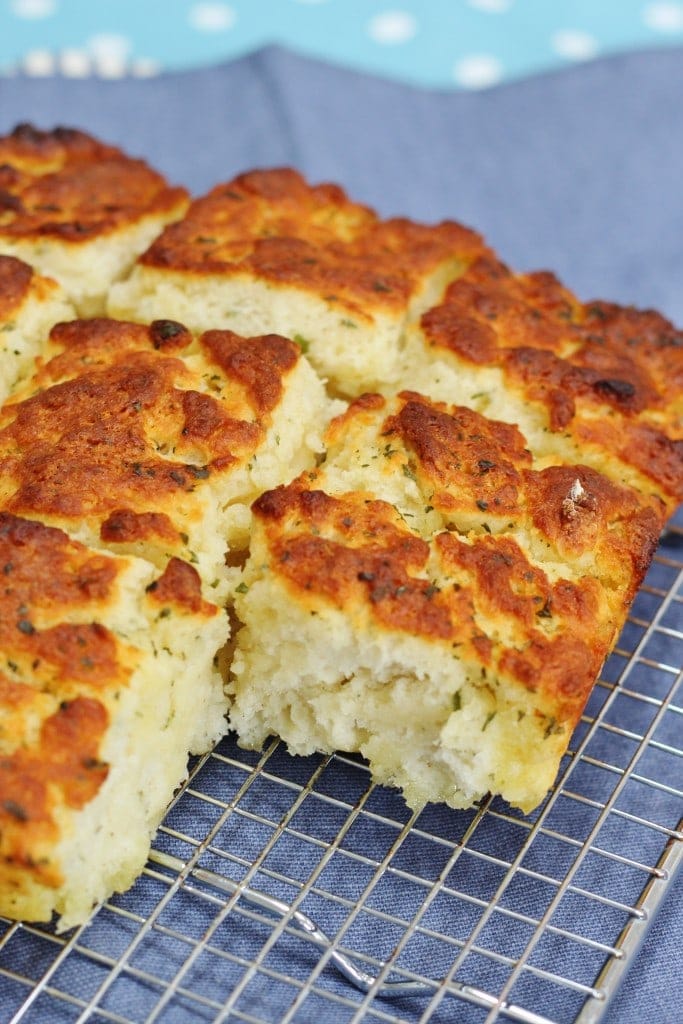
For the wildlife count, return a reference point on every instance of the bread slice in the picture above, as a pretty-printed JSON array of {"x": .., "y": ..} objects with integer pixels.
[
  {"x": 29, "y": 306},
  {"x": 79, "y": 210},
  {"x": 107, "y": 680},
  {"x": 128, "y": 461},
  {"x": 148, "y": 441},
  {"x": 269, "y": 252},
  {"x": 592, "y": 382},
  {"x": 436, "y": 598}
]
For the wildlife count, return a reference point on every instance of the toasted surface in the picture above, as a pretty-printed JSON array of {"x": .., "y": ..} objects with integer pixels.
[
  {"x": 147, "y": 440},
  {"x": 88, "y": 681},
  {"x": 431, "y": 567},
  {"x": 595, "y": 381},
  {"x": 78, "y": 209},
  {"x": 29, "y": 306},
  {"x": 269, "y": 252}
]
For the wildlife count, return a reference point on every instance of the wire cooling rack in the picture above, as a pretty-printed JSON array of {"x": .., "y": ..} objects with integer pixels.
[{"x": 291, "y": 890}]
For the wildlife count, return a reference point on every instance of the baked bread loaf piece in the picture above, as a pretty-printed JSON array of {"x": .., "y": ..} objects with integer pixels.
[
  {"x": 591, "y": 382},
  {"x": 29, "y": 306},
  {"x": 79, "y": 210},
  {"x": 269, "y": 252},
  {"x": 128, "y": 460},
  {"x": 435, "y": 582},
  {"x": 437, "y": 599},
  {"x": 107, "y": 680},
  {"x": 151, "y": 442}
]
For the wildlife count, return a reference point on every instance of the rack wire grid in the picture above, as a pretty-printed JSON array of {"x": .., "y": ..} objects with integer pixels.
[{"x": 286, "y": 889}]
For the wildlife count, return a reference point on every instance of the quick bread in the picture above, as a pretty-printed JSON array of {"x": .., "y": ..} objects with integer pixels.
[
  {"x": 592, "y": 382},
  {"x": 399, "y": 494},
  {"x": 149, "y": 441},
  {"x": 79, "y": 210},
  {"x": 107, "y": 681},
  {"x": 435, "y": 598},
  {"x": 269, "y": 252},
  {"x": 29, "y": 305},
  {"x": 128, "y": 461}
]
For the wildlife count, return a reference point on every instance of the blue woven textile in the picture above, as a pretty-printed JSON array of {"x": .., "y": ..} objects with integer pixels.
[{"x": 579, "y": 171}]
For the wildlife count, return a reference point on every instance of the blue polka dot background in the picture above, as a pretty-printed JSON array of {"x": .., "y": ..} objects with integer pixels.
[{"x": 447, "y": 44}]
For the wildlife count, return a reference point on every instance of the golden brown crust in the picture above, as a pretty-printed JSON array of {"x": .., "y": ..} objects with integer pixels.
[
  {"x": 45, "y": 579},
  {"x": 579, "y": 510},
  {"x": 608, "y": 375},
  {"x": 522, "y": 573},
  {"x": 479, "y": 596},
  {"x": 469, "y": 460},
  {"x": 180, "y": 585},
  {"x": 117, "y": 427},
  {"x": 478, "y": 474},
  {"x": 274, "y": 226},
  {"x": 258, "y": 367},
  {"x": 15, "y": 285},
  {"x": 367, "y": 556},
  {"x": 66, "y": 185},
  {"x": 62, "y": 769},
  {"x": 59, "y": 676}
]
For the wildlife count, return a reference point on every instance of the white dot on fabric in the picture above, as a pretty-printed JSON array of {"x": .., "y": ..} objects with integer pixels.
[
  {"x": 145, "y": 67},
  {"x": 33, "y": 9},
  {"x": 211, "y": 17},
  {"x": 477, "y": 71},
  {"x": 38, "y": 63},
  {"x": 574, "y": 44},
  {"x": 491, "y": 6},
  {"x": 664, "y": 17},
  {"x": 109, "y": 46},
  {"x": 109, "y": 52},
  {"x": 74, "y": 63},
  {"x": 391, "y": 27}
]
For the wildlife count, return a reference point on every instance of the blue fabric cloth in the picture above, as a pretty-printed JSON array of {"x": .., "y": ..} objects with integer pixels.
[{"x": 579, "y": 171}]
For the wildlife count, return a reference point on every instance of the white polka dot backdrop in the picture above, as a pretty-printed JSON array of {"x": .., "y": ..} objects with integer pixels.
[
  {"x": 491, "y": 6},
  {"x": 478, "y": 70},
  {"x": 39, "y": 63},
  {"x": 110, "y": 53},
  {"x": 493, "y": 39},
  {"x": 33, "y": 9},
  {"x": 664, "y": 17},
  {"x": 145, "y": 67},
  {"x": 574, "y": 44},
  {"x": 75, "y": 63},
  {"x": 211, "y": 17},
  {"x": 392, "y": 27}
]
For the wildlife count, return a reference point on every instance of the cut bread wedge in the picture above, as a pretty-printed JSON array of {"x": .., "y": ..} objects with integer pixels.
[
  {"x": 79, "y": 210},
  {"x": 437, "y": 599},
  {"x": 269, "y": 252}
]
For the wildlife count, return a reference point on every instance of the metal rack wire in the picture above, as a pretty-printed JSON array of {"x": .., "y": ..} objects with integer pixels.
[{"x": 289, "y": 889}]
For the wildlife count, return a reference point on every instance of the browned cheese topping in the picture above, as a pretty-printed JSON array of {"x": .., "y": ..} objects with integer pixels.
[
  {"x": 67, "y": 185},
  {"x": 179, "y": 586},
  {"x": 606, "y": 374},
  {"x": 521, "y": 572},
  {"x": 481, "y": 599},
  {"x": 273, "y": 225},
  {"x": 15, "y": 285},
  {"x": 479, "y": 475},
  {"x": 58, "y": 676},
  {"x": 116, "y": 425}
]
